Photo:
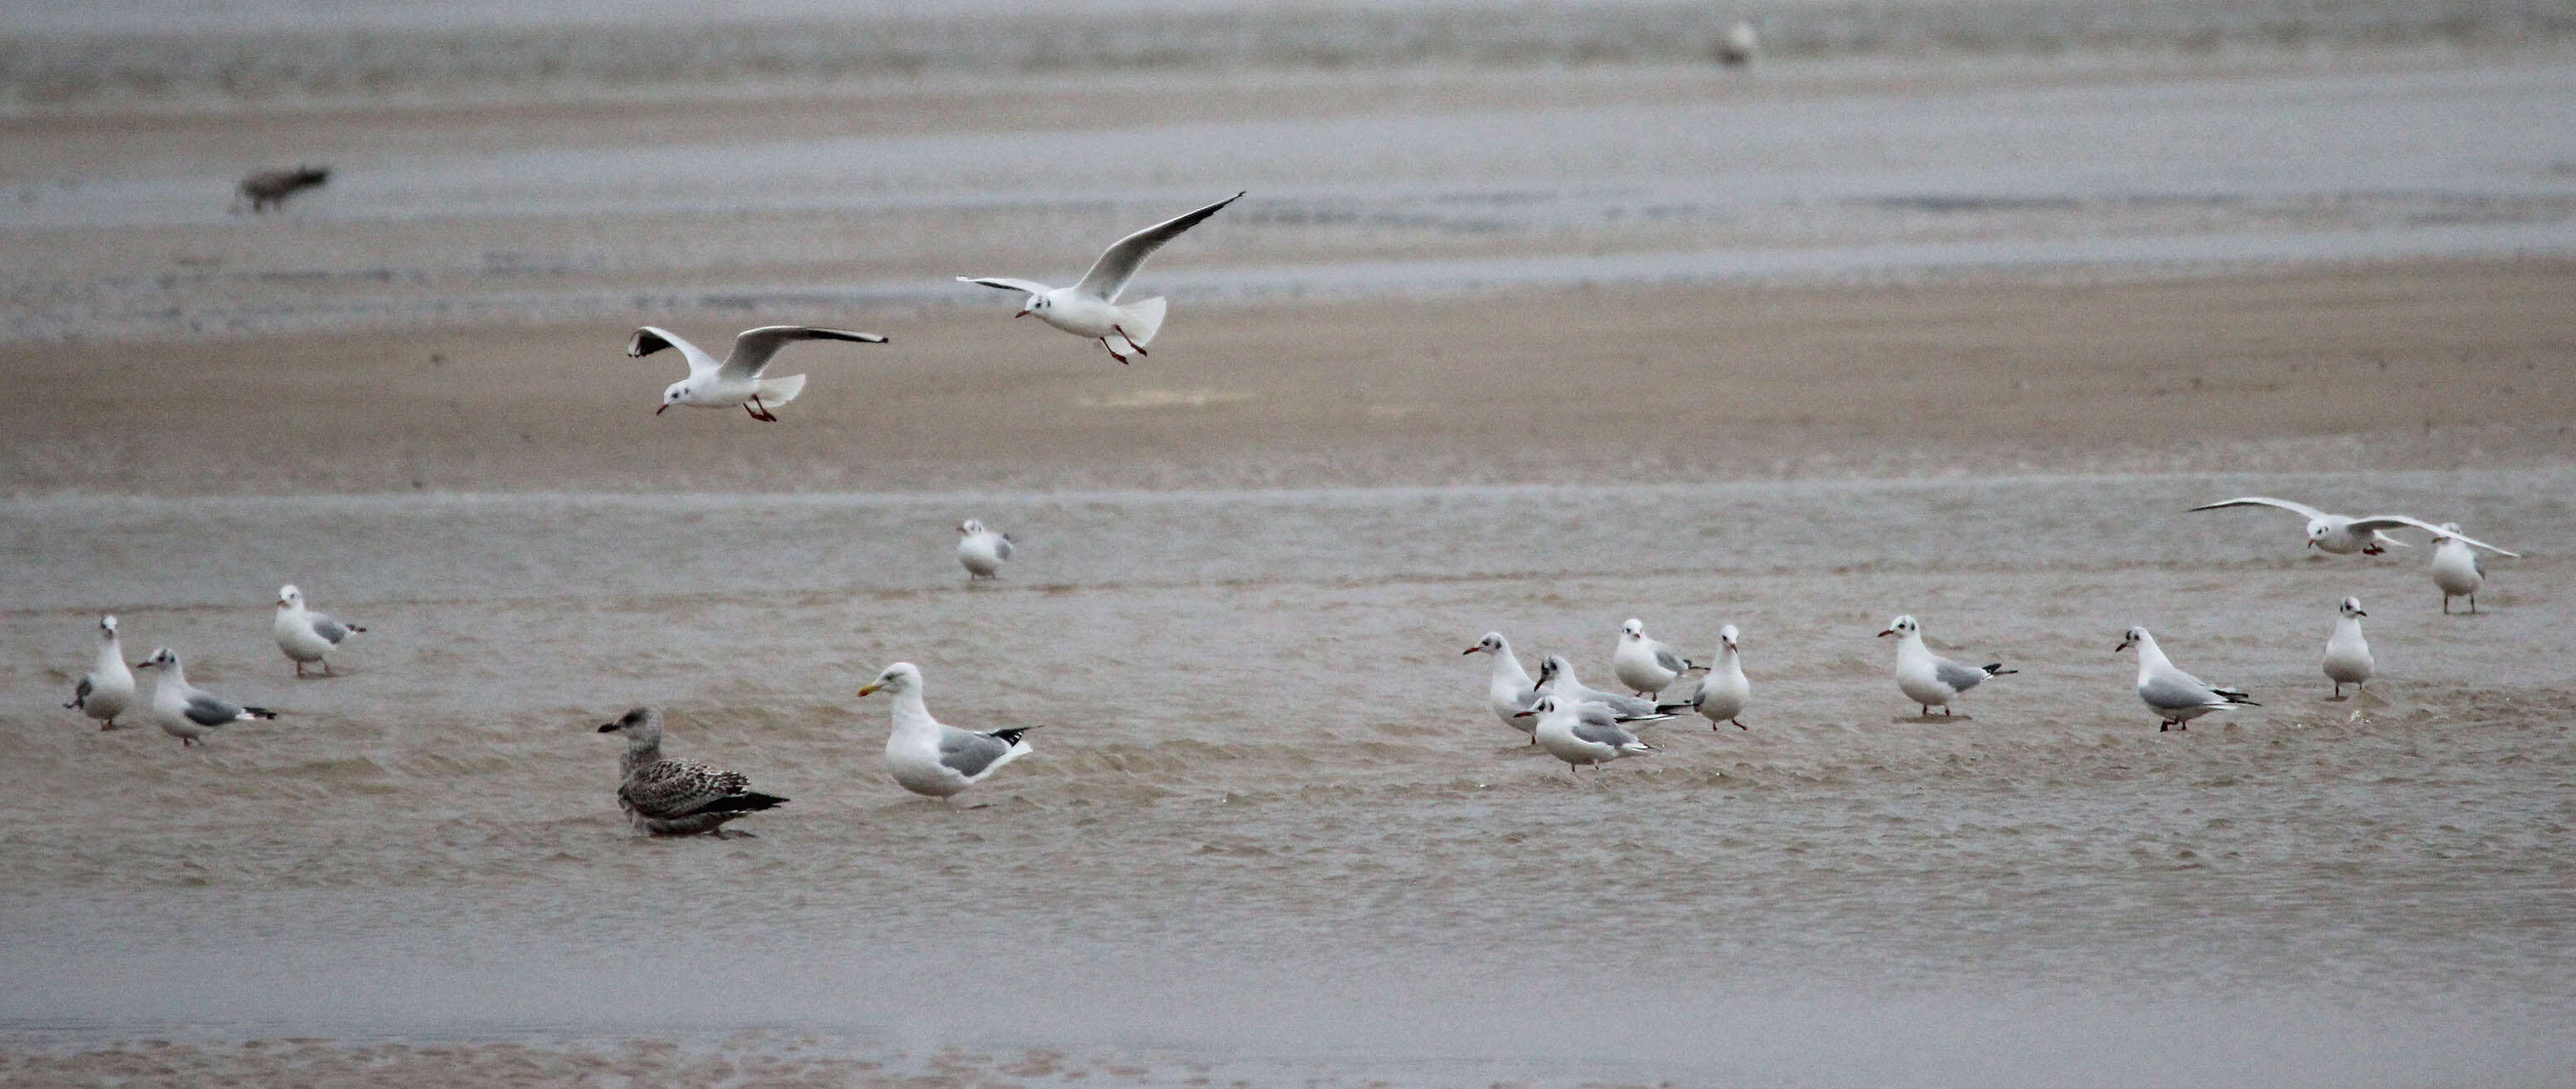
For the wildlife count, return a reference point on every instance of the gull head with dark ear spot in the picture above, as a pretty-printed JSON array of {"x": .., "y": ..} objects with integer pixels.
[
  {"x": 642, "y": 723},
  {"x": 2130, "y": 638},
  {"x": 970, "y": 527},
  {"x": 107, "y": 624},
  {"x": 2352, "y": 607},
  {"x": 1726, "y": 636},
  {"x": 288, "y": 596},
  {"x": 1633, "y": 628}
]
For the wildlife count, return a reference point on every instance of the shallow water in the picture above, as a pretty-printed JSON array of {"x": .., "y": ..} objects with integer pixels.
[
  {"x": 1270, "y": 823},
  {"x": 1648, "y": 176}
]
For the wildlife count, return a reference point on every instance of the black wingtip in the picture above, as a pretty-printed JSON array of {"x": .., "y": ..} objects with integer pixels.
[
  {"x": 1670, "y": 708},
  {"x": 1012, "y": 736},
  {"x": 259, "y": 712},
  {"x": 746, "y": 802},
  {"x": 1996, "y": 669}
]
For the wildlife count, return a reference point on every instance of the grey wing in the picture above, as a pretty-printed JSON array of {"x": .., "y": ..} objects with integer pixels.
[
  {"x": 2392, "y": 521},
  {"x": 649, "y": 339},
  {"x": 1600, "y": 729},
  {"x": 1630, "y": 706},
  {"x": 81, "y": 691},
  {"x": 753, "y": 348},
  {"x": 2168, "y": 692},
  {"x": 2302, "y": 509},
  {"x": 1665, "y": 657},
  {"x": 331, "y": 631},
  {"x": 672, "y": 788},
  {"x": 1960, "y": 678},
  {"x": 1008, "y": 284},
  {"x": 206, "y": 710},
  {"x": 1002, "y": 548},
  {"x": 970, "y": 753},
  {"x": 1118, "y": 264}
]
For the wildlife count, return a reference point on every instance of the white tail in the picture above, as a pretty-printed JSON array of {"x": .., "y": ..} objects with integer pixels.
[
  {"x": 1139, "y": 320},
  {"x": 779, "y": 391}
]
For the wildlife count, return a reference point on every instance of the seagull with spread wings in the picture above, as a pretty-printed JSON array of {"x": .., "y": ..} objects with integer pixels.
[
  {"x": 737, "y": 380},
  {"x": 1091, "y": 309}
]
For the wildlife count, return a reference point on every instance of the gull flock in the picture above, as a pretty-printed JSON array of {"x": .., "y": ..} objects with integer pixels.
[{"x": 1571, "y": 721}]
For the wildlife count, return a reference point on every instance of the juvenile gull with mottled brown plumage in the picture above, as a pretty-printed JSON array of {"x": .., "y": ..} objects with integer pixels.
[{"x": 677, "y": 797}]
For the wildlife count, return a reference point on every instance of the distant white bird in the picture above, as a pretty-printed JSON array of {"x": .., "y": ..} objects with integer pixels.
[
  {"x": 737, "y": 380},
  {"x": 1644, "y": 663},
  {"x": 1508, "y": 690},
  {"x": 306, "y": 635},
  {"x": 1091, "y": 308},
  {"x": 981, "y": 550},
  {"x": 1581, "y": 733},
  {"x": 676, "y": 797},
  {"x": 187, "y": 712},
  {"x": 1724, "y": 693},
  {"x": 2347, "y": 653},
  {"x": 1556, "y": 678},
  {"x": 2175, "y": 696},
  {"x": 1927, "y": 678},
  {"x": 2340, "y": 534},
  {"x": 108, "y": 688},
  {"x": 931, "y": 757},
  {"x": 2456, "y": 567},
  {"x": 1740, "y": 46}
]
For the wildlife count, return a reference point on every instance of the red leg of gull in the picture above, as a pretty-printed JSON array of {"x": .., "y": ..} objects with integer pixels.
[
  {"x": 760, "y": 411},
  {"x": 1139, "y": 349},
  {"x": 1113, "y": 352}
]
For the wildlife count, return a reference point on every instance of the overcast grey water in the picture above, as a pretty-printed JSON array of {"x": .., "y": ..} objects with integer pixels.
[{"x": 1270, "y": 828}]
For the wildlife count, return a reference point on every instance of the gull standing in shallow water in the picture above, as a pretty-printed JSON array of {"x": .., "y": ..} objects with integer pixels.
[
  {"x": 1582, "y": 733},
  {"x": 306, "y": 635},
  {"x": 1091, "y": 309},
  {"x": 1644, "y": 663},
  {"x": 2175, "y": 696},
  {"x": 2456, "y": 569},
  {"x": 1556, "y": 678},
  {"x": 933, "y": 758},
  {"x": 1930, "y": 679},
  {"x": 981, "y": 550},
  {"x": 676, "y": 797},
  {"x": 1507, "y": 688},
  {"x": 737, "y": 380},
  {"x": 108, "y": 688},
  {"x": 187, "y": 712},
  {"x": 2347, "y": 653},
  {"x": 1724, "y": 693}
]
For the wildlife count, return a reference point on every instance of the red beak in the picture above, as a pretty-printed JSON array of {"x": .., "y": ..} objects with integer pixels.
[
  {"x": 1471, "y": 650},
  {"x": 665, "y": 405},
  {"x": 1021, "y": 314},
  {"x": 1890, "y": 631}
]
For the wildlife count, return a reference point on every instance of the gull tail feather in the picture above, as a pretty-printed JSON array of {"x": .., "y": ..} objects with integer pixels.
[
  {"x": 1141, "y": 320},
  {"x": 747, "y": 802},
  {"x": 778, "y": 391}
]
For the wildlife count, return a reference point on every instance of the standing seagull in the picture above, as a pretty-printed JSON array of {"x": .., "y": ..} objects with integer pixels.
[
  {"x": 2175, "y": 696},
  {"x": 1556, "y": 678},
  {"x": 1644, "y": 663},
  {"x": 1928, "y": 678},
  {"x": 108, "y": 689},
  {"x": 1091, "y": 308},
  {"x": 931, "y": 757},
  {"x": 2347, "y": 653},
  {"x": 737, "y": 380},
  {"x": 2456, "y": 568},
  {"x": 1507, "y": 688},
  {"x": 981, "y": 550},
  {"x": 306, "y": 635},
  {"x": 187, "y": 712},
  {"x": 676, "y": 797},
  {"x": 1724, "y": 693},
  {"x": 2341, "y": 534},
  {"x": 1581, "y": 733}
]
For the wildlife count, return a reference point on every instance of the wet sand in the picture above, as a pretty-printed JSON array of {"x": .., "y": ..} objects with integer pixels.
[
  {"x": 1270, "y": 833},
  {"x": 2407, "y": 365}
]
